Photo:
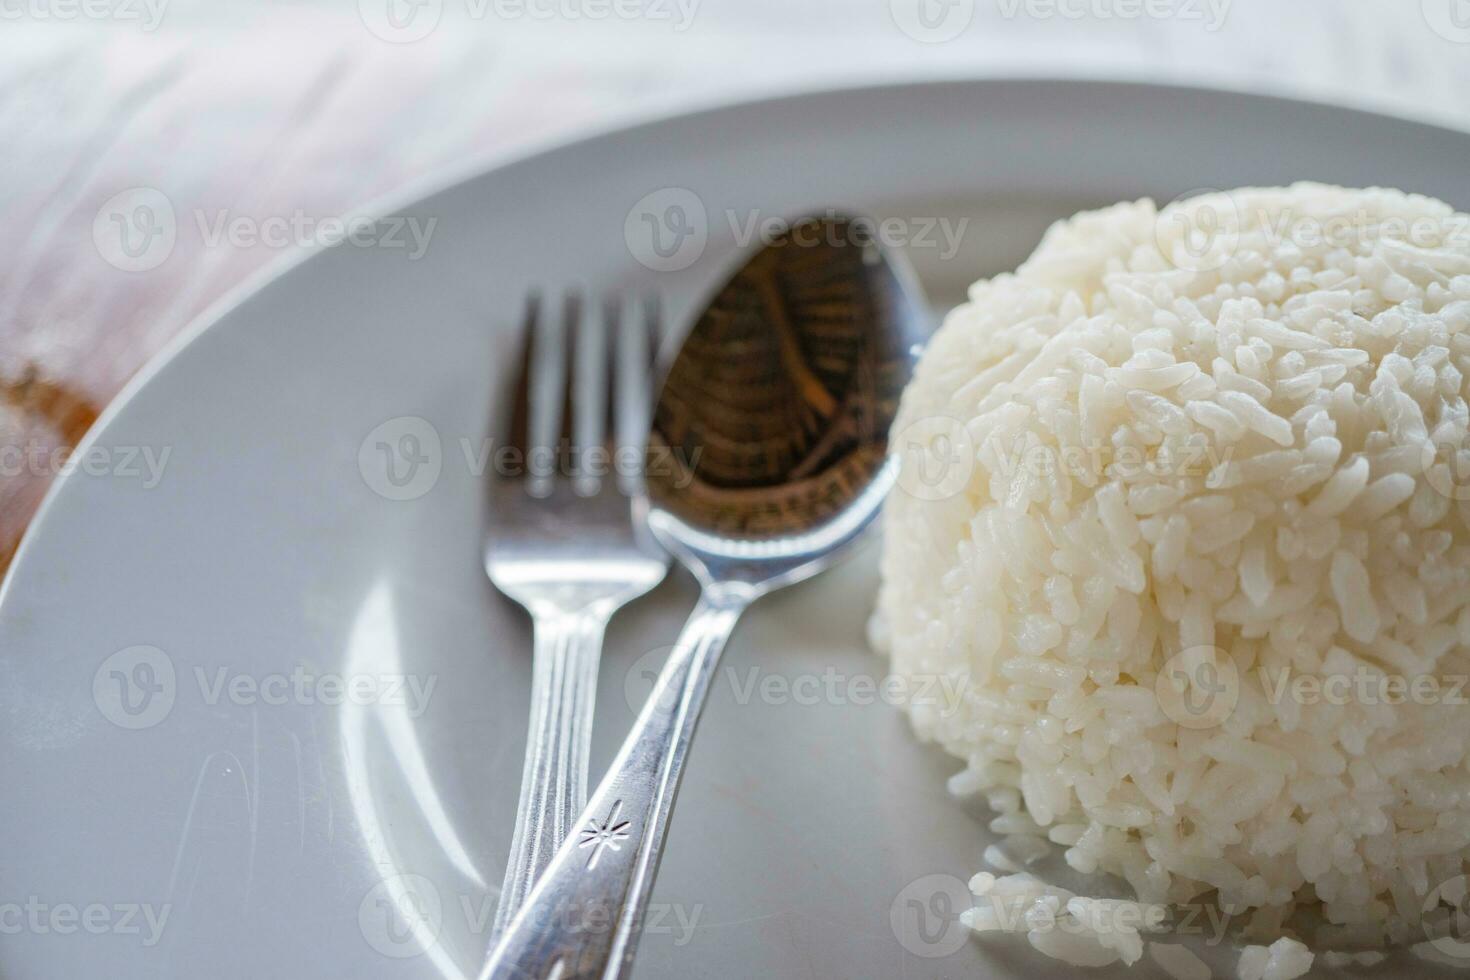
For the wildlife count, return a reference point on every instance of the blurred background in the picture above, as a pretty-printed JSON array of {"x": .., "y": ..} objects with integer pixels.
[{"x": 135, "y": 132}]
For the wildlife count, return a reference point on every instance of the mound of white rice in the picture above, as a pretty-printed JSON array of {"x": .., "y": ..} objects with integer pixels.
[{"x": 1183, "y": 513}]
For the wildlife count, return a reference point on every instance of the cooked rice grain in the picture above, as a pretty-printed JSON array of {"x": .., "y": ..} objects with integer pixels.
[{"x": 1222, "y": 469}]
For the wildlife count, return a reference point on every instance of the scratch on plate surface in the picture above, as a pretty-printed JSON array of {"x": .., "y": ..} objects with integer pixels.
[{"x": 189, "y": 833}]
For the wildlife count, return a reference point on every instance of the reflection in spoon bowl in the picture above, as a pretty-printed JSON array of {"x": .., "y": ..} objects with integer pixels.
[{"x": 774, "y": 417}]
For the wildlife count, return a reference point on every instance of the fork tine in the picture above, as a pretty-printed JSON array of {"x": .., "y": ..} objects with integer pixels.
[
  {"x": 585, "y": 399},
  {"x": 544, "y": 401},
  {"x": 637, "y": 351},
  {"x": 571, "y": 406},
  {"x": 601, "y": 392},
  {"x": 651, "y": 333},
  {"x": 518, "y": 437}
]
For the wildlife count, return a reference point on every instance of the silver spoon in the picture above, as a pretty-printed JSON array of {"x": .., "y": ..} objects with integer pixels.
[{"x": 783, "y": 394}]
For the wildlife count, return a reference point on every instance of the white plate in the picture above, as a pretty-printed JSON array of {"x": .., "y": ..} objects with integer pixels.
[{"x": 280, "y": 838}]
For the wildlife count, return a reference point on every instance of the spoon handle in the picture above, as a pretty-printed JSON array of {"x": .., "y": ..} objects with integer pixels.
[{"x": 584, "y": 916}]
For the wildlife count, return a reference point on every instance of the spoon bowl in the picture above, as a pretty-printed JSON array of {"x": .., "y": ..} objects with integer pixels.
[
  {"x": 768, "y": 458},
  {"x": 775, "y": 414}
]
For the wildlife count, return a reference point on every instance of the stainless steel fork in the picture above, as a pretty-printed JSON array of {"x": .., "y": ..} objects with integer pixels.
[{"x": 564, "y": 543}]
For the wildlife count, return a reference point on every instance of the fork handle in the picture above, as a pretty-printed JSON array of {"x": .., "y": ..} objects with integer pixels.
[
  {"x": 583, "y": 919},
  {"x": 554, "y": 781}
]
